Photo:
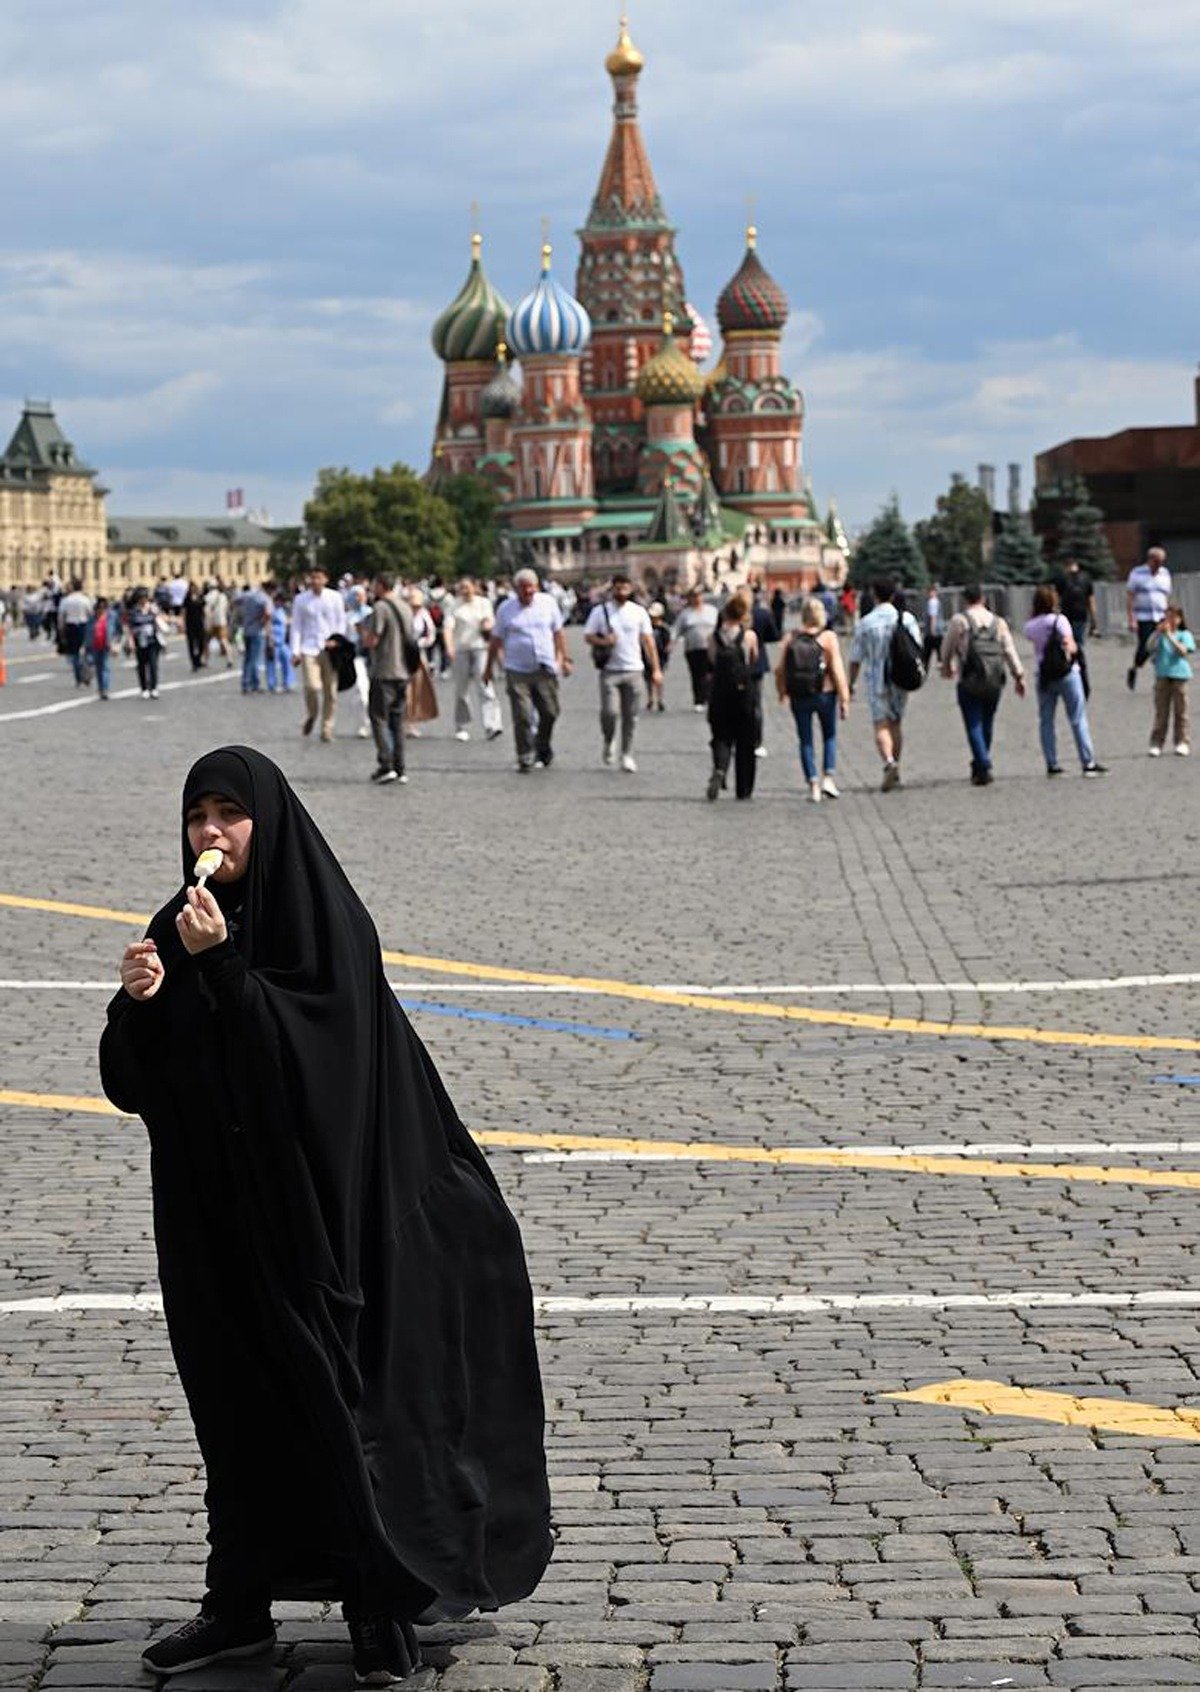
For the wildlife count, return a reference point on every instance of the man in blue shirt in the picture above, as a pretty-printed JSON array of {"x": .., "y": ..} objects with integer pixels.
[
  {"x": 257, "y": 606},
  {"x": 528, "y": 638}
]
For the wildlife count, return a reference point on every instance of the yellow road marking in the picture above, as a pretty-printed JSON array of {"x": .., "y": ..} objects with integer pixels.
[
  {"x": 60, "y": 1101},
  {"x": 1112, "y": 1415},
  {"x": 98, "y": 913},
  {"x": 703, "y": 1002},
  {"x": 778, "y": 1157}
]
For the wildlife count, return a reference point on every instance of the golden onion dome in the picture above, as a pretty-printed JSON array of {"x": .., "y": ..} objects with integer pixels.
[
  {"x": 625, "y": 60},
  {"x": 670, "y": 377}
]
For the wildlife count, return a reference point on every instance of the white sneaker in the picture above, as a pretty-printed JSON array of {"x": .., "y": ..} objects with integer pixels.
[
  {"x": 760, "y": 751},
  {"x": 363, "y": 731},
  {"x": 699, "y": 707},
  {"x": 154, "y": 693},
  {"x": 814, "y": 792},
  {"x": 830, "y": 788},
  {"x": 609, "y": 755},
  {"x": 462, "y": 734},
  {"x": 1156, "y": 751},
  {"x": 1183, "y": 750},
  {"x": 628, "y": 764},
  {"x": 145, "y": 693}
]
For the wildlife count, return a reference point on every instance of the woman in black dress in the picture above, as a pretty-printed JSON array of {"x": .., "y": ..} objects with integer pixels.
[{"x": 344, "y": 1286}]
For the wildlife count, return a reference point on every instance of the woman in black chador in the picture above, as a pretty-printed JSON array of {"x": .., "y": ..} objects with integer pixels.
[{"x": 344, "y": 1285}]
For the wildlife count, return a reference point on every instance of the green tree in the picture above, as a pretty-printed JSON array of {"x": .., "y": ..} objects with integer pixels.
[
  {"x": 888, "y": 549},
  {"x": 389, "y": 520},
  {"x": 1081, "y": 534},
  {"x": 1017, "y": 554},
  {"x": 474, "y": 503},
  {"x": 289, "y": 554},
  {"x": 951, "y": 541}
]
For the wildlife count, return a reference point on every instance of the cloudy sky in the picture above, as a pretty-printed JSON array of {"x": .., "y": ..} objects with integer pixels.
[{"x": 230, "y": 223}]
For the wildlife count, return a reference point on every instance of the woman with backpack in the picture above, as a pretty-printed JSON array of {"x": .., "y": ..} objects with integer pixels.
[
  {"x": 811, "y": 678},
  {"x": 734, "y": 708},
  {"x": 1058, "y": 678}
]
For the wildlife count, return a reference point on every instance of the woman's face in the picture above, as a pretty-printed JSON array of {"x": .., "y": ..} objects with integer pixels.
[{"x": 214, "y": 821}]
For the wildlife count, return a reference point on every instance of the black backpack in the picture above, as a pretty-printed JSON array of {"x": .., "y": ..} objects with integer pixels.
[
  {"x": 984, "y": 671},
  {"x": 803, "y": 666},
  {"x": 905, "y": 666},
  {"x": 731, "y": 668},
  {"x": 1055, "y": 665}
]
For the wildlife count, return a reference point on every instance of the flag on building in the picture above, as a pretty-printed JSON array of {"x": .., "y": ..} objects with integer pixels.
[{"x": 235, "y": 499}]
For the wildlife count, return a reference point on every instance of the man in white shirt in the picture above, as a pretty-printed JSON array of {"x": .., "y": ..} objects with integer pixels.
[
  {"x": 468, "y": 620},
  {"x": 1147, "y": 592},
  {"x": 317, "y": 616},
  {"x": 621, "y": 637},
  {"x": 74, "y": 610},
  {"x": 528, "y": 635}
]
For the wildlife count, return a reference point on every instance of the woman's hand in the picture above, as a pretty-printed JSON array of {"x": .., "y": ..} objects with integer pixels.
[
  {"x": 142, "y": 972},
  {"x": 200, "y": 923}
]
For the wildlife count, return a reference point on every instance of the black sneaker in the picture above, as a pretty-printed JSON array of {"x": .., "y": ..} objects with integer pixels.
[
  {"x": 715, "y": 784},
  {"x": 1054, "y": 769},
  {"x": 1131, "y": 678},
  {"x": 1095, "y": 769},
  {"x": 385, "y": 1650},
  {"x": 208, "y": 1639}
]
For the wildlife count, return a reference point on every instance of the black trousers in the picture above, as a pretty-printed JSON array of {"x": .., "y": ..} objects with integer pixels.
[
  {"x": 385, "y": 707},
  {"x": 735, "y": 726},
  {"x": 700, "y": 669},
  {"x": 1145, "y": 630},
  {"x": 147, "y": 667}
]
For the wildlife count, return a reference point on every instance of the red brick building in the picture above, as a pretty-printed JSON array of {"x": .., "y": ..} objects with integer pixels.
[{"x": 1146, "y": 481}]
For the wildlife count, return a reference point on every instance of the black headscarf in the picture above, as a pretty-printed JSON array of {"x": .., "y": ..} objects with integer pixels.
[{"x": 385, "y": 1272}]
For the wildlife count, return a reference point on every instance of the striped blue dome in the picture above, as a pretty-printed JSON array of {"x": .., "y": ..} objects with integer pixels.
[{"x": 549, "y": 321}]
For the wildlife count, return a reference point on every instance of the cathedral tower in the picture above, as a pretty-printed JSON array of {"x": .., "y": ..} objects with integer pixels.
[
  {"x": 755, "y": 415},
  {"x": 464, "y": 338},
  {"x": 628, "y": 278},
  {"x": 551, "y": 438}
]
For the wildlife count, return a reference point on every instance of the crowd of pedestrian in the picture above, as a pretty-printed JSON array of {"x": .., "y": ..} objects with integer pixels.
[{"x": 391, "y": 646}]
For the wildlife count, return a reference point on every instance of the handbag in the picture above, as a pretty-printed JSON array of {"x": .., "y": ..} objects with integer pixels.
[{"x": 602, "y": 654}]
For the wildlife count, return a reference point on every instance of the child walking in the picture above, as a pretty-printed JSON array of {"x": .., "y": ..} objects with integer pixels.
[{"x": 1171, "y": 645}]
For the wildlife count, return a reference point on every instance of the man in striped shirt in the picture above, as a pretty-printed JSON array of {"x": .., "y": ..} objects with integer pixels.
[{"x": 1147, "y": 590}]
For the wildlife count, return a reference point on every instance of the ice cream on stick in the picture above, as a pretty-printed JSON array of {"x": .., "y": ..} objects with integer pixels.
[{"x": 208, "y": 863}]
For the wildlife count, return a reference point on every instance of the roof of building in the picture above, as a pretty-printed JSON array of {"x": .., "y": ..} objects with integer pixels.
[
  {"x": 502, "y": 395},
  {"x": 548, "y": 320},
  {"x": 670, "y": 377},
  {"x": 39, "y": 445},
  {"x": 187, "y": 534},
  {"x": 668, "y": 525},
  {"x": 473, "y": 322},
  {"x": 753, "y": 300}
]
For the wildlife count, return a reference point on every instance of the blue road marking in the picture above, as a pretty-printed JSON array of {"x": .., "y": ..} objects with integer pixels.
[
  {"x": 1176, "y": 1080},
  {"x": 549, "y": 1024}
]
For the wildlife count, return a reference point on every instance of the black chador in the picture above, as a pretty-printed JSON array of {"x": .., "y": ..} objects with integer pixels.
[{"x": 345, "y": 1287}]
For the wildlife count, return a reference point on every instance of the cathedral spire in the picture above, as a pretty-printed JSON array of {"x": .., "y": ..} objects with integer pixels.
[{"x": 627, "y": 191}]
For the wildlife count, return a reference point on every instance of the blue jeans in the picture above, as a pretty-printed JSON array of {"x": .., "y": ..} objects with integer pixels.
[
  {"x": 979, "y": 717},
  {"x": 252, "y": 662},
  {"x": 1070, "y": 691},
  {"x": 825, "y": 707},
  {"x": 100, "y": 657},
  {"x": 280, "y": 675}
]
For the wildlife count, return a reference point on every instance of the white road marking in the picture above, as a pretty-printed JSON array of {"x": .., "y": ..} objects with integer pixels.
[
  {"x": 42, "y": 675},
  {"x": 60, "y": 986},
  {"x": 89, "y": 698},
  {"x": 1000, "y": 1148},
  {"x": 1097, "y": 984},
  {"x": 713, "y": 1304}
]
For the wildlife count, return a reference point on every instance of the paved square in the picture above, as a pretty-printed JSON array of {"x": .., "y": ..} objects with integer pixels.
[{"x": 741, "y": 1499}]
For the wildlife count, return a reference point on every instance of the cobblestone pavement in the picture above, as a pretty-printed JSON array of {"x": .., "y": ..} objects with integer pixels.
[{"x": 739, "y": 1502}]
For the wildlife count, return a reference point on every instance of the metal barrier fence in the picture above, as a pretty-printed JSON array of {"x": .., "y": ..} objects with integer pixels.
[{"x": 1015, "y": 604}]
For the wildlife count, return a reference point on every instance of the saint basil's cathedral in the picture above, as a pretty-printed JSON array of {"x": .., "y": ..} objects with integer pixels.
[{"x": 613, "y": 440}]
